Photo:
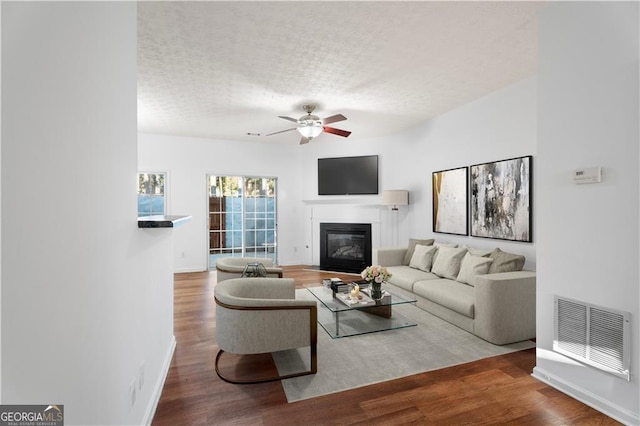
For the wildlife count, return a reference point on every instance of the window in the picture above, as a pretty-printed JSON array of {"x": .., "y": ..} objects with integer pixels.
[
  {"x": 151, "y": 194},
  {"x": 242, "y": 217}
]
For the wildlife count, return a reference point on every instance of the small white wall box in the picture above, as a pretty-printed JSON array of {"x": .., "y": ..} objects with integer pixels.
[{"x": 587, "y": 175}]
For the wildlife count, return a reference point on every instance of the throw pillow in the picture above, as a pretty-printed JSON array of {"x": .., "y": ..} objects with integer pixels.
[
  {"x": 479, "y": 252},
  {"x": 505, "y": 262},
  {"x": 447, "y": 263},
  {"x": 412, "y": 246},
  {"x": 472, "y": 266},
  {"x": 442, "y": 245},
  {"x": 445, "y": 245},
  {"x": 422, "y": 257}
]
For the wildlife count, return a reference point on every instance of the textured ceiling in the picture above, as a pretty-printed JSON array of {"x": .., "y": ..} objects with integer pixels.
[{"x": 224, "y": 69}]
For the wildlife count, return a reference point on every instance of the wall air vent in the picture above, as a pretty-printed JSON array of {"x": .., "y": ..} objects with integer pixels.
[{"x": 593, "y": 335}]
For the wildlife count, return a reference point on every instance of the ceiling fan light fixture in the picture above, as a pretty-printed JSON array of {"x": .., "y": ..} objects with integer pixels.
[{"x": 310, "y": 126}]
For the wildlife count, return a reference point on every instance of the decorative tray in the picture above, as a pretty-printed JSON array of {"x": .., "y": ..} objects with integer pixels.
[{"x": 362, "y": 301}]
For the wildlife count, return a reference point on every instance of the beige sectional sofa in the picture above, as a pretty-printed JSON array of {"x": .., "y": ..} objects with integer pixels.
[{"x": 483, "y": 292}]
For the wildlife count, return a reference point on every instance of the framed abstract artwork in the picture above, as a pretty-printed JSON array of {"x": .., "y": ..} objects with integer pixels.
[
  {"x": 501, "y": 199},
  {"x": 451, "y": 201}
]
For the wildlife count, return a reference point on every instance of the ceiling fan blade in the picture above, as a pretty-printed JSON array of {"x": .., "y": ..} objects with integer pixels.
[
  {"x": 288, "y": 118},
  {"x": 281, "y": 131},
  {"x": 304, "y": 140},
  {"x": 334, "y": 131},
  {"x": 334, "y": 119}
]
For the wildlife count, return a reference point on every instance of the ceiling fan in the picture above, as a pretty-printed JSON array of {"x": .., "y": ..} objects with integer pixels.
[{"x": 310, "y": 126}]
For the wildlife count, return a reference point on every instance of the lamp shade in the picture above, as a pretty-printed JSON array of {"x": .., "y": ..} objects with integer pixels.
[{"x": 395, "y": 198}]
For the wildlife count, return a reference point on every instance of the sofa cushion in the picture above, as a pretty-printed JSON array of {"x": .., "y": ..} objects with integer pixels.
[
  {"x": 471, "y": 266},
  {"x": 505, "y": 262},
  {"x": 447, "y": 263},
  {"x": 412, "y": 246},
  {"x": 404, "y": 276},
  {"x": 422, "y": 257},
  {"x": 451, "y": 294}
]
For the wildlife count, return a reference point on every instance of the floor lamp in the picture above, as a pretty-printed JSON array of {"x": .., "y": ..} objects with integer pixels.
[{"x": 395, "y": 198}]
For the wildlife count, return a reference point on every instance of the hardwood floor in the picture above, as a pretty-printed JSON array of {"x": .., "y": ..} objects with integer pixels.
[{"x": 498, "y": 390}]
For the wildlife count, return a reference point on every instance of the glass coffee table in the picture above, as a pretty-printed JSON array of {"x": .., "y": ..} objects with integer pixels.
[{"x": 343, "y": 318}]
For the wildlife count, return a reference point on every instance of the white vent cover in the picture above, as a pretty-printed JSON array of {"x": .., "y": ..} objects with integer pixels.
[{"x": 593, "y": 335}]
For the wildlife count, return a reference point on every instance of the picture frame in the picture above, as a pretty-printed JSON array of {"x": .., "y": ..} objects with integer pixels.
[
  {"x": 501, "y": 202},
  {"x": 451, "y": 201}
]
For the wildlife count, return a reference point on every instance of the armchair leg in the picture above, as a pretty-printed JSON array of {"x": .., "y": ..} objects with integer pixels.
[{"x": 312, "y": 370}]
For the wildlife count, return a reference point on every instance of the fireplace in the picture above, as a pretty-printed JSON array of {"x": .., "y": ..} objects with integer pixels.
[{"x": 345, "y": 247}]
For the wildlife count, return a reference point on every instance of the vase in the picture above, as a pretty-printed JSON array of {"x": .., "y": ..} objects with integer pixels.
[{"x": 376, "y": 290}]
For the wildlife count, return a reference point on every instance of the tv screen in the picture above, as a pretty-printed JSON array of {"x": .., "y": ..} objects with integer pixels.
[{"x": 348, "y": 175}]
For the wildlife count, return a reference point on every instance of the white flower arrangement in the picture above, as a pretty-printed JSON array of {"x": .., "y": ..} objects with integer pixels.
[{"x": 375, "y": 273}]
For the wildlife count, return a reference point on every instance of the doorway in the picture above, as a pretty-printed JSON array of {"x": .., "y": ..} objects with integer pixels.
[{"x": 242, "y": 217}]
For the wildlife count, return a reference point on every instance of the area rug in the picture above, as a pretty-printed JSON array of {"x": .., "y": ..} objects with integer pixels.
[{"x": 352, "y": 362}]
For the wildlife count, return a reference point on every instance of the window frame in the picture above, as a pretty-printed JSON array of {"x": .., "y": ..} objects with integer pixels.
[{"x": 164, "y": 195}]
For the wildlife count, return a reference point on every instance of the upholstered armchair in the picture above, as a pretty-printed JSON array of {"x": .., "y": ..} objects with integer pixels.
[
  {"x": 233, "y": 267},
  {"x": 261, "y": 315}
]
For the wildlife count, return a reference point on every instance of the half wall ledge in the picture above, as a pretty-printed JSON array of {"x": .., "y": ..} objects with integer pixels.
[{"x": 162, "y": 221}]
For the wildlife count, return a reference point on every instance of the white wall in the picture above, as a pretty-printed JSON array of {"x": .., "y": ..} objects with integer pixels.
[
  {"x": 188, "y": 161},
  {"x": 588, "y": 235},
  {"x": 86, "y": 296},
  {"x": 499, "y": 126}
]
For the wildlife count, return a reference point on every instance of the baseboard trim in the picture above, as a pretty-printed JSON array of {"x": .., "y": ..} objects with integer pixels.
[
  {"x": 157, "y": 390},
  {"x": 596, "y": 402}
]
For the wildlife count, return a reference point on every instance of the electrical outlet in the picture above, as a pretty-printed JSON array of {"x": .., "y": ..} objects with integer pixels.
[
  {"x": 183, "y": 255},
  {"x": 141, "y": 375},
  {"x": 132, "y": 393}
]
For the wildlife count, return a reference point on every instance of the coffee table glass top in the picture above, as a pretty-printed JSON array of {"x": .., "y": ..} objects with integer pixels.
[
  {"x": 340, "y": 319},
  {"x": 325, "y": 295}
]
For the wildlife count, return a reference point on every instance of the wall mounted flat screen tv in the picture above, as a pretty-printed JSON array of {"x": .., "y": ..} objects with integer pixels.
[{"x": 348, "y": 175}]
